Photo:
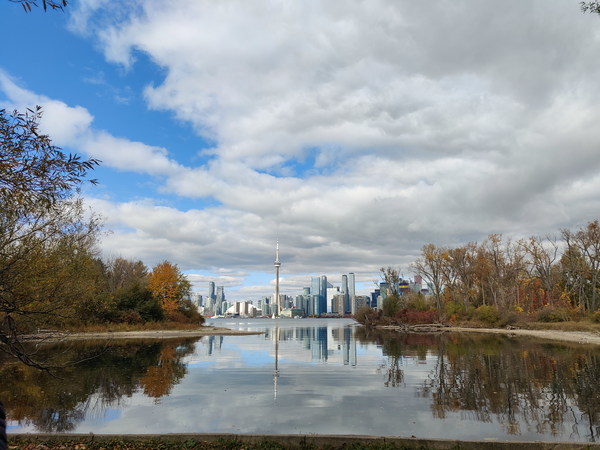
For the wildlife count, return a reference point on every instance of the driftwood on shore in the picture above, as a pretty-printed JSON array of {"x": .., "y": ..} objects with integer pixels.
[{"x": 421, "y": 328}]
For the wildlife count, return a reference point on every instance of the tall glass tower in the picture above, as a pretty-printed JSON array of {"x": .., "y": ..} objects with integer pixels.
[
  {"x": 324, "y": 291},
  {"x": 351, "y": 285},
  {"x": 345, "y": 293},
  {"x": 220, "y": 299},
  {"x": 315, "y": 286}
]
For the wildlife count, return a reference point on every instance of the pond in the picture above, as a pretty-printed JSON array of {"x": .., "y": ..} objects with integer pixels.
[{"x": 315, "y": 376}]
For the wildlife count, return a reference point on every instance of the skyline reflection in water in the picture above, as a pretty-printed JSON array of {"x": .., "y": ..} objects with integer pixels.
[{"x": 330, "y": 378}]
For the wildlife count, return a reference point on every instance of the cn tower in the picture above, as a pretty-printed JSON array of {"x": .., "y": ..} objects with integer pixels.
[{"x": 277, "y": 264}]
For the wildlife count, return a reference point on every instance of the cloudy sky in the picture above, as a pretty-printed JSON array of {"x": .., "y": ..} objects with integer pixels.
[{"x": 356, "y": 131}]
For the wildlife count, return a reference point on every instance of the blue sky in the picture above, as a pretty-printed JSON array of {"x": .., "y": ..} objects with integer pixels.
[{"x": 357, "y": 132}]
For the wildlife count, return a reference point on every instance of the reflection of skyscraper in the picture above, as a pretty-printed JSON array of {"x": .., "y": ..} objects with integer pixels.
[
  {"x": 346, "y": 346},
  {"x": 213, "y": 342},
  {"x": 353, "y": 348}
]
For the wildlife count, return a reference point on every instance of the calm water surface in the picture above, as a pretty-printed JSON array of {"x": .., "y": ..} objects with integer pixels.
[{"x": 315, "y": 376}]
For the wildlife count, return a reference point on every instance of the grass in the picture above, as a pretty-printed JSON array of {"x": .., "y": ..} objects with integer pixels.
[{"x": 33, "y": 444}]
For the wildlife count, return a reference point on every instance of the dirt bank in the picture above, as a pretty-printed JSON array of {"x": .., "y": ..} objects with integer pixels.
[
  {"x": 218, "y": 441},
  {"x": 582, "y": 337},
  {"x": 154, "y": 334}
]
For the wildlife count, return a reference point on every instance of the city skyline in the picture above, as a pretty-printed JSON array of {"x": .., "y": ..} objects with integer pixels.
[{"x": 220, "y": 126}]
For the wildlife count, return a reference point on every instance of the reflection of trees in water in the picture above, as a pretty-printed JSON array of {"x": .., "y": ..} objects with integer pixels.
[
  {"x": 518, "y": 383},
  {"x": 88, "y": 389},
  {"x": 522, "y": 384},
  {"x": 397, "y": 348}
]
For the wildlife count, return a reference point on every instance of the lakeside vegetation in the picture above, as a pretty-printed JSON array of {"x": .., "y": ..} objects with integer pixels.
[
  {"x": 51, "y": 275},
  {"x": 526, "y": 283}
]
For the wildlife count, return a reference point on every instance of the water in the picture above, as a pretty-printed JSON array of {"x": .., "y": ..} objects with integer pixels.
[{"x": 319, "y": 376}]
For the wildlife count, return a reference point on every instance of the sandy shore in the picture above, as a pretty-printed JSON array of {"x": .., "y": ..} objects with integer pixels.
[
  {"x": 582, "y": 337},
  {"x": 158, "y": 334}
]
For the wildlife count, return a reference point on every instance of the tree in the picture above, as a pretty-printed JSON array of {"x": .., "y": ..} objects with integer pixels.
[
  {"x": 392, "y": 302},
  {"x": 46, "y": 241},
  {"x": 56, "y": 5},
  {"x": 429, "y": 267},
  {"x": 32, "y": 170},
  {"x": 46, "y": 265},
  {"x": 586, "y": 243},
  {"x": 543, "y": 254},
  {"x": 169, "y": 285},
  {"x": 591, "y": 7}
]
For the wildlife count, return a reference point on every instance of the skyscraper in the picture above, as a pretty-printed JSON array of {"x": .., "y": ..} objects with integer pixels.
[
  {"x": 220, "y": 299},
  {"x": 351, "y": 293},
  {"x": 315, "y": 286},
  {"x": 351, "y": 282},
  {"x": 345, "y": 293},
  {"x": 324, "y": 290},
  {"x": 211, "y": 290}
]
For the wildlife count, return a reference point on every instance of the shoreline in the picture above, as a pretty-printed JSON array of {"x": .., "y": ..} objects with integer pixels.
[
  {"x": 144, "y": 334},
  {"x": 580, "y": 337},
  {"x": 288, "y": 441}
]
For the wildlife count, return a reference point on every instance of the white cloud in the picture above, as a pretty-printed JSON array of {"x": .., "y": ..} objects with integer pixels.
[{"x": 357, "y": 131}]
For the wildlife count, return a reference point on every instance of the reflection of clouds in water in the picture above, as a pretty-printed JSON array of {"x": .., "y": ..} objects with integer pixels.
[{"x": 427, "y": 385}]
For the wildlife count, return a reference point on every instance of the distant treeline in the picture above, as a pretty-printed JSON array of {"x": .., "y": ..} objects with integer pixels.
[{"x": 557, "y": 270}]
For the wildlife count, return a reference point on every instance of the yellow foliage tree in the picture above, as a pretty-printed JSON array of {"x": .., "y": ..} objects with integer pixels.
[{"x": 168, "y": 284}]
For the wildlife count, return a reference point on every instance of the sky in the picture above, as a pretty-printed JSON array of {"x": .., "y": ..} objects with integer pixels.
[{"x": 355, "y": 132}]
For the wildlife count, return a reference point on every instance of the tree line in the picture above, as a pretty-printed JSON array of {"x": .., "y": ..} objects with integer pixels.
[{"x": 556, "y": 270}]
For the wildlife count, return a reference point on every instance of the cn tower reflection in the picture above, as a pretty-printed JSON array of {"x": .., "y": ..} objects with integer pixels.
[{"x": 276, "y": 371}]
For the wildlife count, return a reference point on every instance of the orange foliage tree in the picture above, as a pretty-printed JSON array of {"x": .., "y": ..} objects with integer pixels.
[{"x": 168, "y": 284}]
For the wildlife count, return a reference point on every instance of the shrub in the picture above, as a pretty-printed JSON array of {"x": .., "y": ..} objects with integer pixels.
[
  {"x": 177, "y": 317},
  {"x": 363, "y": 314},
  {"x": 595, "y": 317},
  {"x": 488, "y": 314},
  {"x": 551, "y": 314},
  {"x": 510, "y": 317},
  {"x": 131, "y": 317},
  {"x": 417, "y": 302},
  {"x": 413, "y": 316},
  {"x": 391, "y": 306},
  {"x": 189, "y": 310},
  {"x": 454, "y": 310}
]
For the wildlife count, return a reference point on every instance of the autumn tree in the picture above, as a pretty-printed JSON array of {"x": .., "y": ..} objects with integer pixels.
[
  {"x": 392, "y": 302},
  {"x": 169, "y": 285},
  {"x": 429, "y": 266},
  {"x": 543, "y": 255},
  {"x": 585, "y": 244},
  {"x": 46, "y": 265}
]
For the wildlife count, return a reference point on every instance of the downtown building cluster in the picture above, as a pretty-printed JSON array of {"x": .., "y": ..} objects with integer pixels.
[{"x": 321, "y": 299}]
